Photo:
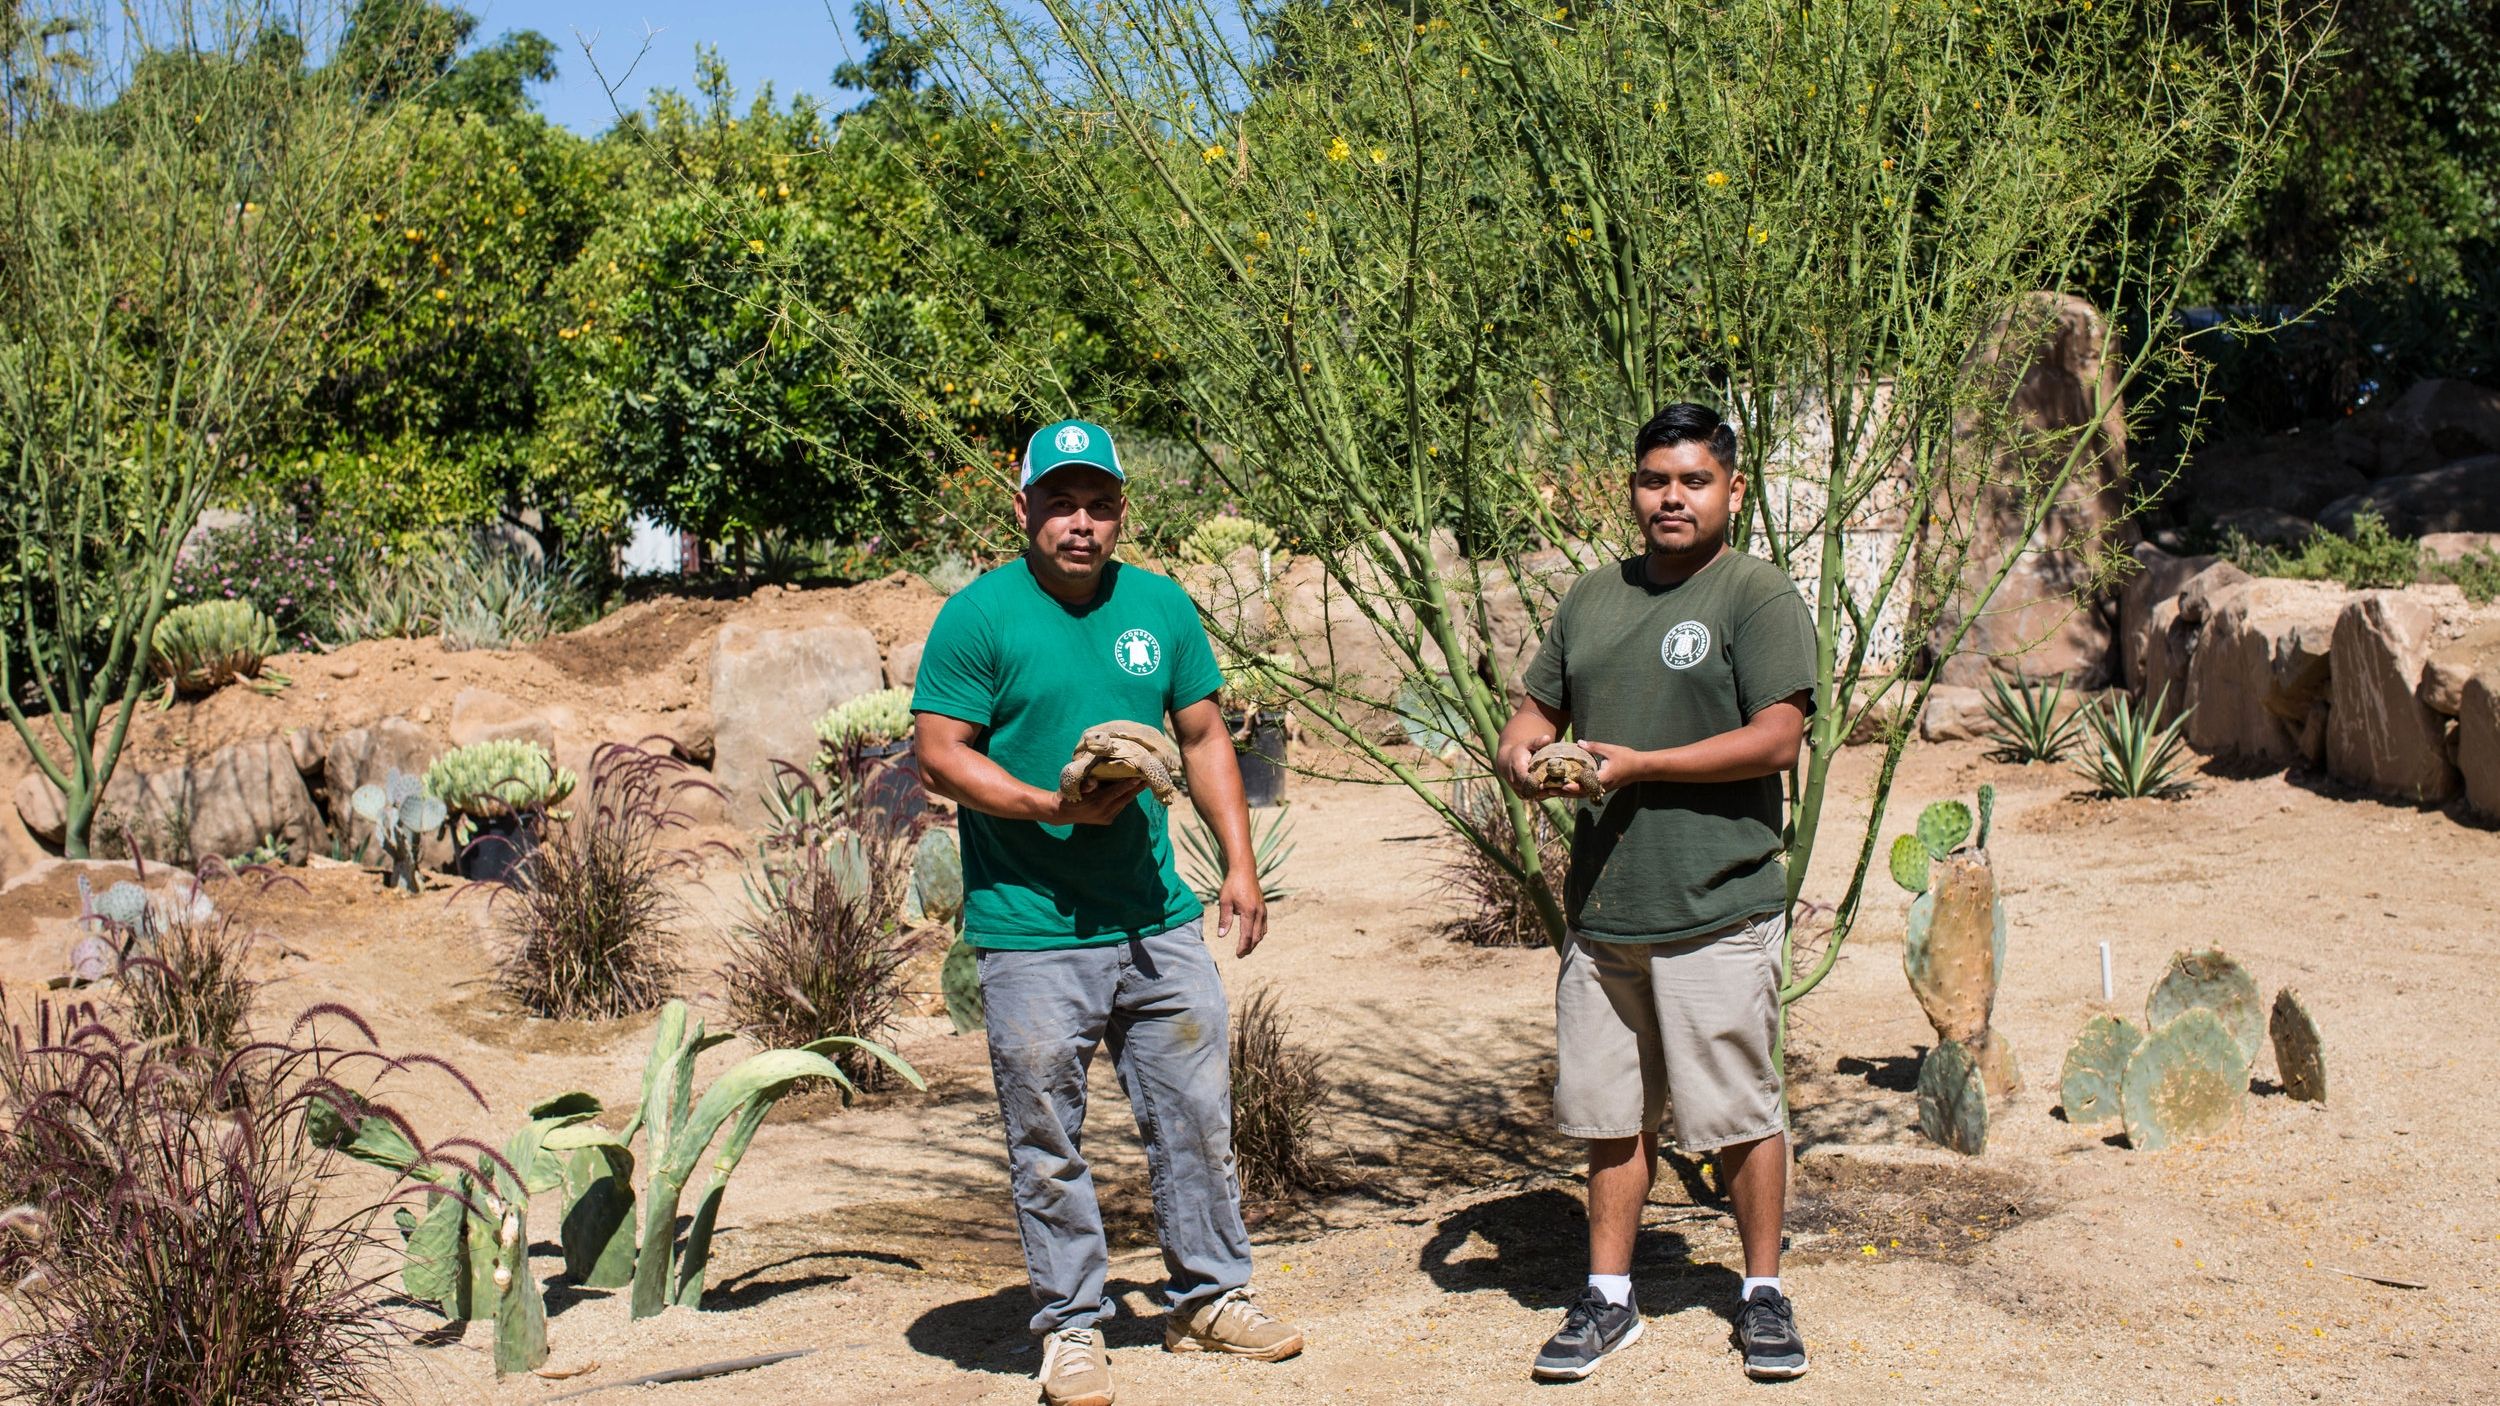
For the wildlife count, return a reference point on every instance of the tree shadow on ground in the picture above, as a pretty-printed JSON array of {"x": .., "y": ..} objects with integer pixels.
[
  {"x": 1533, "y": 1245},
  {"x": 989, "y": 1333}
]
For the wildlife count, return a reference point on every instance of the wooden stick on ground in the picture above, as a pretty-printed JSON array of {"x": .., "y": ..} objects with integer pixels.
[{"x": 721, "y": 1368}]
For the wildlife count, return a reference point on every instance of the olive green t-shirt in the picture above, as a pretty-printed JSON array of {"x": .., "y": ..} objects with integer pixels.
[
  {"x": 1651, "y": 667},
  {"x": 1033, "y": 674}
]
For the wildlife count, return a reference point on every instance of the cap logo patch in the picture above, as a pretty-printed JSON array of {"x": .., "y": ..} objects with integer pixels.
[{"x": 1072, "y": 439}]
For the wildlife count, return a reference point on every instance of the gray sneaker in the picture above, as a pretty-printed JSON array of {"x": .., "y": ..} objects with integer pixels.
[
  {"x": 1592, "y": 1330},
  {"x": 1766, "y": 1332}
]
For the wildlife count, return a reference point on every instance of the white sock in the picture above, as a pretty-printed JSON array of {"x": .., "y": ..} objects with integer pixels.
[
  {"x": 1616, "y": 1287},
  {"x": 1745, "y": 1290}
]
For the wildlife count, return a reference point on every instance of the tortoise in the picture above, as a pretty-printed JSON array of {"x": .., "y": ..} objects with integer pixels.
[
  {"x": 1121, "y": 751},
  {"x": 1561, "y": 764}
]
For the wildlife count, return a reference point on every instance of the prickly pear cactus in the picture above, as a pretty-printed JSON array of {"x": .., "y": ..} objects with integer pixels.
[
  {"x": 1952, "y": 1104},
  {"x": 1950, "y": 953},
  {"x": 1910, "y": 863},
  {"x": 961, "y": 979},
  {"x": 2298, "y": 1061},
  {"x": 1943, "y": 826},
  {"x": 2212, "y": 980},
  {"x": 937, "y": 879},
  {"x": 2088, "y": 1086},
  {"x": 2187, "y": 1080}
]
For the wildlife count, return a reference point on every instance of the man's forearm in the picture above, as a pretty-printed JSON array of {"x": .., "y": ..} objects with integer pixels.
[
  {"x": 972, "y": 780},
  {"x": 1215, "y": 789},
  {"x": 1741, "y": 755}
]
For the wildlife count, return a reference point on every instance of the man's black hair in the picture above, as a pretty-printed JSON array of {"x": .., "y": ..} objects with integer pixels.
[{"x": 1685, "y": 421}]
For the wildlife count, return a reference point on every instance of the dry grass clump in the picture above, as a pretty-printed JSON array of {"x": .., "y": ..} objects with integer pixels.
[
  {"x": 176, "y": 1234},
  {"x": 592, "y": 914},
  {"x": 1278, "y": 1087},
  {"x": 822, "y": 948},
  {"x": 188, "y": 985},
  {"x": 1495, "y": 909}
]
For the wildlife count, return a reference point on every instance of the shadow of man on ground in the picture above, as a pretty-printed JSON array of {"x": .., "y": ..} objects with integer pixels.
[
  {"x": 1535, "y": 1248},
  {"x": 988, "y": 1334}
]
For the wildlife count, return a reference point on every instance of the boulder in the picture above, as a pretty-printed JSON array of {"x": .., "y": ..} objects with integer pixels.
[
  {"x": 2448, "y": 548},
  {"x": 2445, "y": 672},
  {"x": 2434, "y": 422},
  {"x": 2459, "y": 497},
  {"x": 2260, "y": 662},
  {"x": 224, "y": 803},
  {"x": 483, "y": 715},
  {"x": 2478, "y": 740},
  {"x": 768, "y": 688},
  {"x": 686, "y": 732},
  {"x": 2293, "y": 475},
  {"x": 2379, "y": 733},
  {"x": 2160, "y": 657},
  {"x": 2272, "y": 526},
  {"x": 1953, "y": 714},
  {"x": 902, "y": 667},
  {"x": 20, "y": 852},
  {"x": 2044, "y": 619},
  {"x": 2157, "y": 577}
]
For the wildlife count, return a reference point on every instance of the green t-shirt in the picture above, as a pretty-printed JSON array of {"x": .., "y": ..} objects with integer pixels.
[
  {"x": 1652, "y": 667},
  {"x": 1033, "y": 674}
]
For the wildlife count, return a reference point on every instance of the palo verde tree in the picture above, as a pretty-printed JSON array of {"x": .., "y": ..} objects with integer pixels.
[
  {"x": 1419, "y": 270},
  {"x": 178, "y": 221}
]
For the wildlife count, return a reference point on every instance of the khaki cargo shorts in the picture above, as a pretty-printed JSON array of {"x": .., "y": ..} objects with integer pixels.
[{"x": 1641, "y": 1026}]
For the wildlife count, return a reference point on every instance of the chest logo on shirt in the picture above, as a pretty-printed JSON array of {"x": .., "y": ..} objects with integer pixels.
[
  {"x": 1137, "y": 652},
  {"x": 1685, "y": 645}
]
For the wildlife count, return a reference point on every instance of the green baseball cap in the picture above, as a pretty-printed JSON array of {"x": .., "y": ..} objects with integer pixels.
[{"x": 1065, "y": 442}]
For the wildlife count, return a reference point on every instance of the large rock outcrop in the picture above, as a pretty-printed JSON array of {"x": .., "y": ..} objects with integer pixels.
[
  {"x": 2045, "y": 619},
  {"x": 2379, "y": 733},
  {"x": 225, "y": 803},
  {"x": 2261, "y": 667},
  {"x": 2306, "y": 473},
  {"x": 769, "y": 685},
  {"x": 2459, "y": 497}
]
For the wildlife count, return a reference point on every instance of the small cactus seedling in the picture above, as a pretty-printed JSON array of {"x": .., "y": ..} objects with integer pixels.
[
  {"x": 402, "y": 815},
  {"x": 2217, "y": 983},
  {"x": 961, "y": 978},
  {"x": 2186, "y": 1080},
  {"x": 2298, "y": 1061},
  {"x": 2095, "y": 1067},
  {"x": 1952, "y": 1104}
]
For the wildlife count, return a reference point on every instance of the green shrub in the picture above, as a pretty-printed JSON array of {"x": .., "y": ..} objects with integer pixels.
[
  {"x": 202, "y": 648},
  {"x": 2370, "y": 558},
  {"x": 2134, "y": 753},
  {"x": 500, "y": 777},
  {"x": 2477, "y": 574},
  {"x": 298, "y": 575},
  {"x": 2026, "y": 722},
  {"x": 1202, "y": 856}
]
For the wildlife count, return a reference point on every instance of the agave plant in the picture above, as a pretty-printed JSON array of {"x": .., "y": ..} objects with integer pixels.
[
  {"x": 1202, "y": 856},
  {"x": 2027, "y": 722},
  {"x": 2134, "y": 753},
  {"x": 201, "y": 648}
]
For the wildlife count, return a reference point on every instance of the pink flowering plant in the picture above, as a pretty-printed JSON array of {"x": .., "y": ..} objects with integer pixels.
[{"x": 297, "y": 573}]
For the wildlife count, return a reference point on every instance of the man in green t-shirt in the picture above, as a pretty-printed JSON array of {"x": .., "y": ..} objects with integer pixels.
[
  {"x": 1688, "y": 671},
  {"x": 1086, "y": 934}
]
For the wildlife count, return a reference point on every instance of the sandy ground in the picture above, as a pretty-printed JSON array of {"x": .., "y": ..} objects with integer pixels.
[{"x": 2058, "y": 1267}]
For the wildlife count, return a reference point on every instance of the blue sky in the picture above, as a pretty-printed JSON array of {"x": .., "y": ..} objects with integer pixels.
[{"x": 794, "y": 43}]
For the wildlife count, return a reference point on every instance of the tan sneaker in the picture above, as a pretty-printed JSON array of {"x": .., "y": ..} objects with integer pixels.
[
  {"x": 1231, "y": 1323},
  {"x": 1076, "y": 1371}
]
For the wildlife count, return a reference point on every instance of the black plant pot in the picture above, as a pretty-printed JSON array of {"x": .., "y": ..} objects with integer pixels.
[
  {"x": 498, "y": 850},
  {"x": 888, "y": 775},
  {"x": 1259, "y": 742}
]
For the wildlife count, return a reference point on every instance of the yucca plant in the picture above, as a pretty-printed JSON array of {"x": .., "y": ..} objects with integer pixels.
[
  {"x": 2026, "y": 721},
  {"x": 203, "y": 647},
  {"x": 593, "y": 926},
  {"x": 1278, "y": 1086},
  {"x": 1202, "y": 856},
  {"x": 2134, "y": 753}
]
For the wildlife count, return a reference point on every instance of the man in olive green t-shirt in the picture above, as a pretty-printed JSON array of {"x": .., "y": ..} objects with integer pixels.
[
  {"x": 1688, "y": 671},
  {"x": 1086, "y": 934}
]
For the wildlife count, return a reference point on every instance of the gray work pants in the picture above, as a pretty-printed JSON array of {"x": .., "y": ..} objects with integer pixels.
[{"x": 1159, "y": 1004}]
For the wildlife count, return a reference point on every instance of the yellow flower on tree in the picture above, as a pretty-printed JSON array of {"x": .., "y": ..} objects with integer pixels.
[
  {"x": 755, "y": 246},
  {"x": 1379, "y": 156},
  {"x": 1213, "y": 153},
  {"x": 1715, "y": 179},
  {"x": 1338, "y": 150}
]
